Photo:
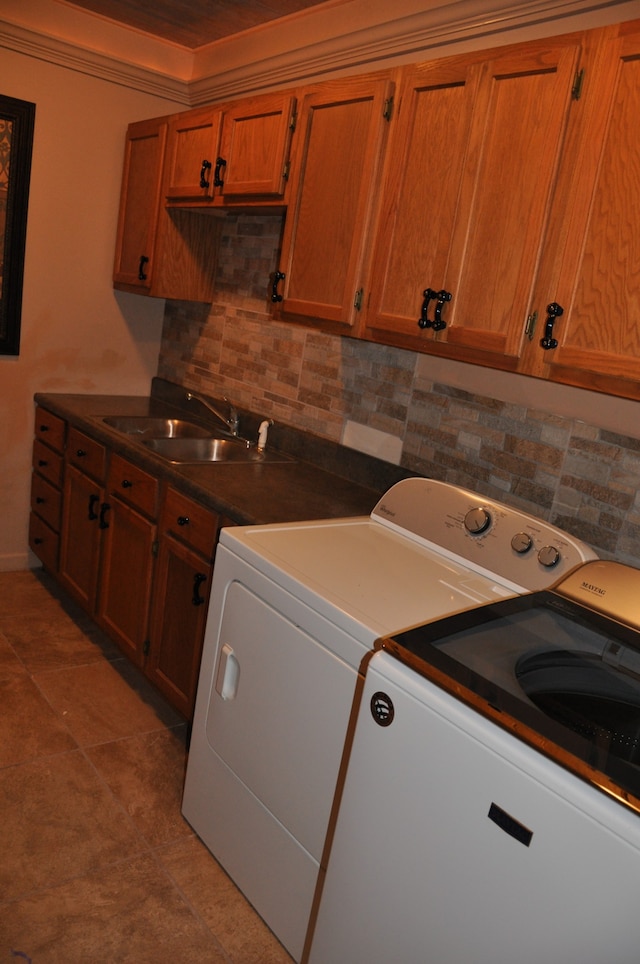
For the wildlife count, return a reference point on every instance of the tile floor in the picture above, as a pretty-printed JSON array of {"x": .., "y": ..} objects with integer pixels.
[{"x": 96, "y": 861}]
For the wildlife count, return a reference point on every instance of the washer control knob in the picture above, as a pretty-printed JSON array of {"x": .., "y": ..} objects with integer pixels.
[
  {"x": 521, "y": 542},
  {"x": 477, "y": 521},
  {"x": 549, "y": 556}
]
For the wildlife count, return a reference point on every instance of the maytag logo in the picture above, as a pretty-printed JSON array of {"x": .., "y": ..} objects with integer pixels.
[{"x": 598, "y": 590}]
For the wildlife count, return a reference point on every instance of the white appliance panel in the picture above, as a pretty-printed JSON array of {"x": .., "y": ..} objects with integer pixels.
[
  {"x": 417, "y": 796},
  {"x": 291, "y": 769},
  {"x": 366, "y": 578}
]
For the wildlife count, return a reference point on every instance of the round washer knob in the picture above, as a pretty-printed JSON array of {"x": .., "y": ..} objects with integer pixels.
[
  {"x": 549, "y": 556},
  {"x": 477, "y": 521},
  {"x": 521, "y": 542}
]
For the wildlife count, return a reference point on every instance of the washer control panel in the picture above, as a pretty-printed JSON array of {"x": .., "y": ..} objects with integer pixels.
[{"x": 523, "y": 551}]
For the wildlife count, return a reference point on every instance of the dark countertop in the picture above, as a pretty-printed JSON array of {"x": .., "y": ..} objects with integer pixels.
[{"x": 247, "y": 492}]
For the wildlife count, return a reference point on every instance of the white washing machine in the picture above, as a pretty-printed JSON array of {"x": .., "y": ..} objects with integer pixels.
[
  {"x": 491, "y": 808},
  {"x": 294, "y": 610}
]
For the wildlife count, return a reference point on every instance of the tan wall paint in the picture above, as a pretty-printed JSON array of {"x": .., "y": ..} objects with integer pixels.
[{"x": 77, "y": 334}]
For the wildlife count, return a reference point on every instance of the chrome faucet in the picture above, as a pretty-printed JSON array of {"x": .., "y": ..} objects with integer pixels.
[{"x": 231, "y": 420}]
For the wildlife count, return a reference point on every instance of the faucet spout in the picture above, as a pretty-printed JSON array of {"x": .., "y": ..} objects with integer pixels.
[{"x": 231, "y": 420}]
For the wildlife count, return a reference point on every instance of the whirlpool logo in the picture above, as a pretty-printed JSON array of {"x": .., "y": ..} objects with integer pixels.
[{"x": 596, "y": 590}]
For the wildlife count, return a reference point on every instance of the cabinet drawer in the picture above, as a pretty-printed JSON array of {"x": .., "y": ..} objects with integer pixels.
[
  {"x": 86, "y": 454},
  {"x": 133, "y": 485},
  {"x": 50, "y": 429},
  {"x": 44, "y": 542},
  {"x": 47, "y": 462},
  {"x": 189, "y": 522},
  {"x": 46, "y": 501}
]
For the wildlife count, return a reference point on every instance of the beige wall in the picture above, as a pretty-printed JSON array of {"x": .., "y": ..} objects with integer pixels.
[{"x": 77, "y": 334}]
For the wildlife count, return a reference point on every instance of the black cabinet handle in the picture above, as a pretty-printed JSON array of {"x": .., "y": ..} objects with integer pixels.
[
  {"x": 104, "y": 508},
  {"x": 277, "y": 278},
  {"x": 220, "y": 165},
  {"x": 206, "y": 166},
  {"x": 126, "y": 484},
  {"x": 42, "y": 462},
  {"x": 428, "y": 295},
  {"x": 198, "y": 579},
  {"x": 183, "y": 520},
  {"x": 442, "y": 298},
  {"x": 141, "y": 272},
  {"x": 554, "y": 310},
  {"x": 93, "y": 502},
  {"x": 44, "y": 428},
  {"x": 80, "y": 453},
  {"x": 40, "y": 500}
]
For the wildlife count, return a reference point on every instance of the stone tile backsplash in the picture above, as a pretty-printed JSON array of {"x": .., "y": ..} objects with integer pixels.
[{"x": 574, "y": 474}]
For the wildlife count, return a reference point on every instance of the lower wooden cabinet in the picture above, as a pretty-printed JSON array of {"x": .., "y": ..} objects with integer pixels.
[
  {"x": 46, "y": 488},
  {"x": 137, "y": 556},
  {"x": 82, "y": 524},
  {"x": 182, "y": 584}
]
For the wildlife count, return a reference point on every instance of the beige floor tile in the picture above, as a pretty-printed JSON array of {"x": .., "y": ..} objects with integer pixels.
[
  {"x": 243, "y": 934},
  {"x": 130, "y": 913},
  {"x": 105, "y": 701},
  {"x": 58, "y": 821},
  {"x": 28, "y": 591},
  {"x": 146, "y": 774},
  {"x": 10, "y": 665},
  {"x": 42, "y": 642},
  {"x": 29, "y": 728}
]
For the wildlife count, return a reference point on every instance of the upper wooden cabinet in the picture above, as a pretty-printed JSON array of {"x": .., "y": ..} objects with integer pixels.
[
  {"x": 591, "y": 265},
  {"x": 219, "y": 155},
  {"x": 193, "y": 147},
  {"x": 158, "y": 252},
  {"x": 342, "y": 129},
  {"x": 140, "y": 205},
  {"x": 470, "y": 171},
  {"x": 254, "y": 153}
]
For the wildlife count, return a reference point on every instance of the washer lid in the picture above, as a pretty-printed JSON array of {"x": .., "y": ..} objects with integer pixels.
[{"x": 560, "y": 676}]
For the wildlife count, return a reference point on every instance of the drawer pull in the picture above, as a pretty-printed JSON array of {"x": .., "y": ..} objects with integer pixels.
[
  {"x": 44, "y": 428},
  {"x": 42, "y": 462},
  {"x": 93, "y": 502},
  {"x": 126, "y": 484},
  {"x": 198, "y": 579},
  {"x": 183, "y": 520},
  {"x": 40, "y": 500},
  {"x": 81, "y": 454},
  {"x": 38, "y": 541}
]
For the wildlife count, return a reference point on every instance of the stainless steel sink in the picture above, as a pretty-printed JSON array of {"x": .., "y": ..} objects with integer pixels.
[
  {"x": 210, "y": 450},
  {"x": 147, "y": 427}
]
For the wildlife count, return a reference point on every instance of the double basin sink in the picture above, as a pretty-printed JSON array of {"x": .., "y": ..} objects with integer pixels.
[{"x": 182, "y": 441}]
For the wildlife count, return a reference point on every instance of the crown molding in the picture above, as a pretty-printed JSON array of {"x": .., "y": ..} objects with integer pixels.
[
  {"x": 436, "y": 32},
  {"x": 85, "y": 61}
]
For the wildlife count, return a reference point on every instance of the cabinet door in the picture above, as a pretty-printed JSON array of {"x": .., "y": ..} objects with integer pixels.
[
  {"x": 466, "y": 200},
  {"x": 591, "y": 267},
  {"x": 83, "y": 516},
  {"x": 341, "y": 132},
  {"x": 139, "y": 205},
  {"x": 256, "y": 135},
  {"x": 181, "y": 595},
  {"x": 125, "y": 581},
  {"x": 192, "y": 154}
]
